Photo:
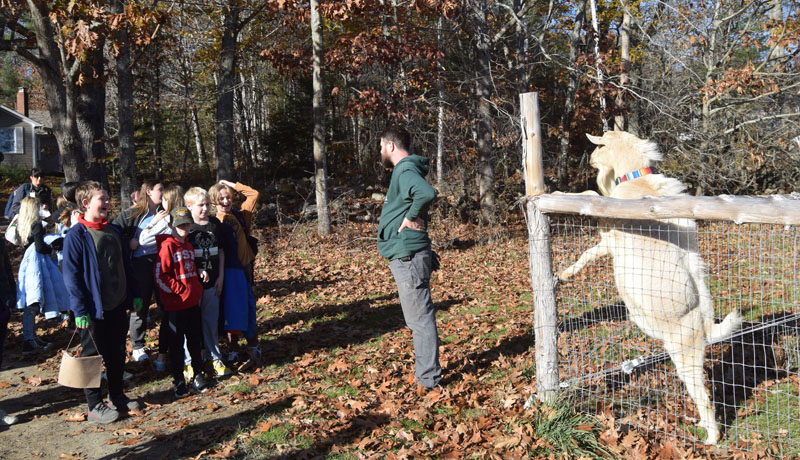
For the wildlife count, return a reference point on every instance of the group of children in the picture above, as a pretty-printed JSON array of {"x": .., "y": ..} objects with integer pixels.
[{"x": 198, "y": 267}]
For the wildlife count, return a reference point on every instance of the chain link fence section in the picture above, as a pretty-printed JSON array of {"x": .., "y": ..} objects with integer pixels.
[{"x": 610, "y": 365}]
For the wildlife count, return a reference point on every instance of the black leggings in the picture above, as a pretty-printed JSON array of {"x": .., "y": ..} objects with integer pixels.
[{"x": 182, "y": 324}]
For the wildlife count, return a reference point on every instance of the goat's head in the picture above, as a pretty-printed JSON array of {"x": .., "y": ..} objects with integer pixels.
[{"x": 619, "y": 153}]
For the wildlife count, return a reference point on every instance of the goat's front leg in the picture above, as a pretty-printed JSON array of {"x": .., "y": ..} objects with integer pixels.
[{"x": 601, "y": 250}]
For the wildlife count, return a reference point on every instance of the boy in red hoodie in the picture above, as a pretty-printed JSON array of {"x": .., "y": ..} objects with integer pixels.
[{"x": 180, "y": 291}]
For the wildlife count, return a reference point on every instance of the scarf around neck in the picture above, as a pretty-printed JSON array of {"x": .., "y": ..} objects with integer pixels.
[{"x": 93, "y": 225}]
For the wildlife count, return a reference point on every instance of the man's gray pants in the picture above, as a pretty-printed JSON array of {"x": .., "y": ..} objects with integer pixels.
[{"x": 413, "y": 286}]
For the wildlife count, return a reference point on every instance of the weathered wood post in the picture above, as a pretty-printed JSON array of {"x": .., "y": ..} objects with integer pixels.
[{"x": 545, "y": 315}]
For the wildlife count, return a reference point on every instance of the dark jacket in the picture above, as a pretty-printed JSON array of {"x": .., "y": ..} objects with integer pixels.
[
  {"x": 43, "y": 193},
  {"x": 8, "y": 287},
  {"x": 37, "y": 237},
  {"x": 82, "y": 276},
  {"x": 128, "y": 223},
  {"x": 409, "y": 196},
  {"x": 230, "y": 245}
]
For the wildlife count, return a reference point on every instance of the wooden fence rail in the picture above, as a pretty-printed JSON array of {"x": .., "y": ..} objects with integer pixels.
[{"x": 772, "y": 209}]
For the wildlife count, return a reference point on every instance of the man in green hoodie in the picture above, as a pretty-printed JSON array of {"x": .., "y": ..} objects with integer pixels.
[{"x": 403, "y": 239}]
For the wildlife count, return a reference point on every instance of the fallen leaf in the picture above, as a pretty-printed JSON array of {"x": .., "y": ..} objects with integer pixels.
[
  {"x": 357, "y": 405},
  {"x": 338, "y": 365},
  {"x": 506, "y": 442},
  {"x": 227, "y": 452},
  {"x": 75, "y": 417},
  {"x": 610, "y": 437},
  {"x": 72, "y": 456}
]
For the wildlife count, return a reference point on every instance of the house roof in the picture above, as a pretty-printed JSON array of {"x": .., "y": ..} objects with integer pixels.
[{"x": 22, "y": 117}]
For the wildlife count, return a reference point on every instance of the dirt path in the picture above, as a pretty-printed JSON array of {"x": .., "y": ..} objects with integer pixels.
[{"x": 164, "y": 428}]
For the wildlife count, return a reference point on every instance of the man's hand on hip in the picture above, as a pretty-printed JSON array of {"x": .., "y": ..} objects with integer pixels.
[{"x": 416, "y": 224}]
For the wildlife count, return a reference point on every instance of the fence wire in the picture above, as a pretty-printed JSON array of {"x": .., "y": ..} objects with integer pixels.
[{"x": 609, "y": 363}]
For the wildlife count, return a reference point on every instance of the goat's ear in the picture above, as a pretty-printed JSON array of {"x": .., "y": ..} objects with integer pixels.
[{"x": 596, "y": 140}]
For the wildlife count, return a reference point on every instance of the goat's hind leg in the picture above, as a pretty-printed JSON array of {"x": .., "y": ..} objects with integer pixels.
[{"x": 688, "y": 358}]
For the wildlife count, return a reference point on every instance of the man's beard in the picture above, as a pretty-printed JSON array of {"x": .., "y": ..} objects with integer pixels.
[{"x": 386, "y": 162}]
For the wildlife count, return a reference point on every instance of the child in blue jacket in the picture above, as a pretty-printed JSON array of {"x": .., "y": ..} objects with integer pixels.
[{"x": 99, "y": 277}]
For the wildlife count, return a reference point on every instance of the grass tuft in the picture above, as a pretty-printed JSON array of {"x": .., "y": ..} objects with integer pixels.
[{"x": 569, "y": 434}]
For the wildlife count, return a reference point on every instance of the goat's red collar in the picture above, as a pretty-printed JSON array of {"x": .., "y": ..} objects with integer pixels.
[{"x": 633, "y": 175}]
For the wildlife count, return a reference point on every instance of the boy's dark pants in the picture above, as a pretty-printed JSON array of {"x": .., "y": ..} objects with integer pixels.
[
  {"x": 109, "y": 334},
  {"x": 143, "y": 270},
  {"x": 5, "y": 314},
  {"x": 184, "y": 323}
]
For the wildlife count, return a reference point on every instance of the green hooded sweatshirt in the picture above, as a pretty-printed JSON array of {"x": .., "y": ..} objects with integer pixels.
[{"x": 409, "y": 196}]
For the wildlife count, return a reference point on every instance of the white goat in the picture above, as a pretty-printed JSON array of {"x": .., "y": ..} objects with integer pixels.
[{"x": 657, "y": 268}]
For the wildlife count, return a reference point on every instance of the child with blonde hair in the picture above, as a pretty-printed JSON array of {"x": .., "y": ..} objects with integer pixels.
[
  {"x": 132, "y": 223},
  {"x": 205, "y": 237},
  {"x": 239, "y": 306},
  {"x": 171, "y": 198},
  {"x": 40, "y": 287}
]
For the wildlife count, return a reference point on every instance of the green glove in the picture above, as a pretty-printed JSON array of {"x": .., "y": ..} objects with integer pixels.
[
  {"x": 137, "y": 303},
  {"x": 82, "y": 321}
]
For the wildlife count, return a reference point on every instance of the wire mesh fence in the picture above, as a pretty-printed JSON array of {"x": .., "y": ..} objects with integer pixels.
[{"x": 634, "y": 340}]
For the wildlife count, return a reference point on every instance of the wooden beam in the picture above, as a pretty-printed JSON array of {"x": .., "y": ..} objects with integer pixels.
[{"x": 773, "y": 209}]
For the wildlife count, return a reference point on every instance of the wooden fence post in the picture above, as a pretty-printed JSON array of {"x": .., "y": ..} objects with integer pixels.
[{"x": 545, "y": 315}]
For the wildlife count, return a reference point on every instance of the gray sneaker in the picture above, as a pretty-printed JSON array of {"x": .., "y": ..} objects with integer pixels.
[
  {"x": 103, "y": 414},
  {"x": 180, "y": 391},
  {"x": 123, "y": 404},
  {"x": 200, "y": 383},
  {"x": 6, "y": 420},
  {"x": 43, "y": 344}
]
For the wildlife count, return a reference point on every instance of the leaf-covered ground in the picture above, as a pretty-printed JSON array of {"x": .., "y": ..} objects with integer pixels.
[{"x": 336, "y": 379}]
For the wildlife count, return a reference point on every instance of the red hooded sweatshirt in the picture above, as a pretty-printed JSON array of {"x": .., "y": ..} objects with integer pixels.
[{"x": 176, "y": 274}]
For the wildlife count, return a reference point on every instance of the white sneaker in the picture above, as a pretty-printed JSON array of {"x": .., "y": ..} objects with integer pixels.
[{"x": 139, "y": 355}]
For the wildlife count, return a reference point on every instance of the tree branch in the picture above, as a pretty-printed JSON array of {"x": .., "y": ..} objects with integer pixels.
[
  {"x": 515, "y": 18},
  {"x": 756, "y": 120}
]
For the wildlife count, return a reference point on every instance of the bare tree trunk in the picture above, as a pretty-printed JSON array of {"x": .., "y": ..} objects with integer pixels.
[
  {"x": 483, "y": 93},
  {"x": 91, "y": 113},
  {"x": 625, "y": 55},
  {"x": 242, "y": 124},
  {"x": 354, "y": 125},
  {"x": 569, "y": 101},
  {"x": 440, "y": 116},
  {"x": 127, "y": 146},
  {"x": 598, "y": 65},
  {"x": 710, "y": 60},
  {"x": 155, "y": 123},
  {"x": 194, "y": 119},
  {"x": 256, "y": 100},
  {"x": 320, "y": 166},
  {"x": 198, "y": 138},
  {"x": 59, "y": 74},
  {"x": 775, "y": 13},
  {"x": 227, "y": 81}
]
